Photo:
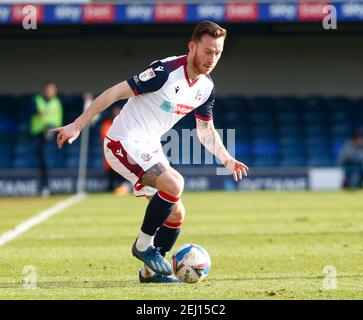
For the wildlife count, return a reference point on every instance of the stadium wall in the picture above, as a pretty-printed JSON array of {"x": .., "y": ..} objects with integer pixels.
[{"x": 251, "y": 65}]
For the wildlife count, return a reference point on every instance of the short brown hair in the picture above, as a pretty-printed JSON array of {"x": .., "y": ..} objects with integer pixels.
[{"x": 210, "y": 28}]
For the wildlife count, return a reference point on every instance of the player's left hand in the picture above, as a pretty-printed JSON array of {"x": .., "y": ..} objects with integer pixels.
[{"x": 238, "y": 169}]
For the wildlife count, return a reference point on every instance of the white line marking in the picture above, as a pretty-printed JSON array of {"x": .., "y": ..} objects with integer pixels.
[{"x": 40, "y": 217}]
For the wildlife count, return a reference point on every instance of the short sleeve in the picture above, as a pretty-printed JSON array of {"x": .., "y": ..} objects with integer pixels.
[
  {"x": 205, "y": 111},
  {"x": 150, "y": 80}
]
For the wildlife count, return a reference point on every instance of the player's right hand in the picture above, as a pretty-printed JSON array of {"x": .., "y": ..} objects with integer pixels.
[{"x": 68, "y": 133}]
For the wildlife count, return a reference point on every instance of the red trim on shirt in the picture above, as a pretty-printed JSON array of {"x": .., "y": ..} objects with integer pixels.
[
  {"x": 190, "y": 83},
  {"x": 136, "y": 92}
]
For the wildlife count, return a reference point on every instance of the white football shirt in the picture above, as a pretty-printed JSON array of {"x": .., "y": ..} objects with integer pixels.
[{"x": 163, "y": 95}]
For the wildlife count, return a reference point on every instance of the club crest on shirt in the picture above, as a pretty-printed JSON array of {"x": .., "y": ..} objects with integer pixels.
[
  {"x": 147, "y": 75},
  {"x": 146, "y": 156},
  {"x": 198, "y": 95}
]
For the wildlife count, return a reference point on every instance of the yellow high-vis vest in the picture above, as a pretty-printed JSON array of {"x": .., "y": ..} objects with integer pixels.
[{"x": 52, "y": 114}]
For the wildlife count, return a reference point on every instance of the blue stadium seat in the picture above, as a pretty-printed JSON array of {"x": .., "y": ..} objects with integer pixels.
[
  {"x": 261, "y": 118},
  {"x": 316, "y": 140},
  {"x": 290, "y": 141},
  {"x": 265, "y": 148},
  {"x": 262, "y": 104},
  {"x": 266, "y": 132},
  {"x": 55, "y": 162},
  {"x": 315, "y": 118},
  {"x": 265, "y": 160},
  {"x": 340, "y": 104},
  {"x": 71, "y": 162},
  {"x": 314, "y": 104},
  {"x": 95, "y": 163},
  {"x": 6, "y": 162},
  {"x": 288, "y": 104},
  {"x": 319, "y": 161},
  {"x": 341, "y": 130},
  {"x": 289, "y": 130},
  {"x": 291, "y": 151},
  {"x": 292, "y": 161},
  {"x": 25, "y": 162},
  {"x": 288, "y": 118},
  {"x": 341, "y": 117},
  {"x": 316, "y": 130}
]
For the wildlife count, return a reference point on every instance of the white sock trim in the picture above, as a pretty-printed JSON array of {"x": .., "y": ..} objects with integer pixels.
[{"x": 144, "y": 241}]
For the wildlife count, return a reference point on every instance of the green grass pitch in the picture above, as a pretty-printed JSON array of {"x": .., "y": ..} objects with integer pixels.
[{"x": 263, "y": 245}]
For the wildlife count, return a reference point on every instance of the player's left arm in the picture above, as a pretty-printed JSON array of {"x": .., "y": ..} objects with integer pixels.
[{"x": 210, "y": 138}]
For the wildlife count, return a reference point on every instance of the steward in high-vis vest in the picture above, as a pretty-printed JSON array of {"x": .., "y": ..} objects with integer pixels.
[{"x": 47, "y": 114}]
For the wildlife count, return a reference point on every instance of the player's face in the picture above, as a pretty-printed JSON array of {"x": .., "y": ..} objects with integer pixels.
[{"x": 206, "y": 53}]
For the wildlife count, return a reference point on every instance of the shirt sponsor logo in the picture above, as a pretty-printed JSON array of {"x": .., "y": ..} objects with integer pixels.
[
  {"x": 210, "y": 11},
  {"x": 4, "y": 13},
  {"x": 139, "y": 12},
  {"x": 350, "y": 10},
  {"x": 242, "y": 12},
  {"x": 170, "y": 12},
  {"x": 198, "y": 95},
  {"x": 101, "y": 13},
  {"x": 286, "y": 11},
  {"x": 72, "y": 13},
  {"x": 176, "y": 108},
  {"x": 147, "y": 75}
]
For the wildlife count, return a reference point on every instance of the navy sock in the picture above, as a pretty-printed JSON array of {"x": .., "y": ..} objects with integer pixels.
[
  {"x": 165, "y": 238},
  {"x": 157, "y": 211}
]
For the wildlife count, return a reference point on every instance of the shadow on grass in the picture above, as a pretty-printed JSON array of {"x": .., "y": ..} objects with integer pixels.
[
  {"x": 353, "y": 276},
  {"x": 86, "y": 284},
  {"x": 95, "y": 284}
]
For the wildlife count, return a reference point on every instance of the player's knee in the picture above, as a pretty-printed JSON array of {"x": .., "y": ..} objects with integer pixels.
[
  {"x": 171, "y": 183},
  {"x": 178, "y": 214}
]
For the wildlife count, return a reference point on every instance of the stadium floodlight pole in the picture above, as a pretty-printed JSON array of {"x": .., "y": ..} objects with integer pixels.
[{"x": 83, "y": 156}]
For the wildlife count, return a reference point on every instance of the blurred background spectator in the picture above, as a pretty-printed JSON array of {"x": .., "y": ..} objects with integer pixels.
[
  {"x": 351, "y": 159},
  {"x": 47, "y": 113},
  {"x": 115, "y": 182}
]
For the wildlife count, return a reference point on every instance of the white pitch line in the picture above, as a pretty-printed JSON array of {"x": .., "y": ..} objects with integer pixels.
[{"x": 40, "y": 217}]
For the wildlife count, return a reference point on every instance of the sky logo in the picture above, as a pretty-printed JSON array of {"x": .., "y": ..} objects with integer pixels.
[
  {"x": 5, "y": 12},
  {"x": 283, "y": 11},
  {"x": 139, "y": 12},
  {"x": 210, "y": 11},
  {"x": 69, "y": 13},
  {"x": 351, "y": 10}
]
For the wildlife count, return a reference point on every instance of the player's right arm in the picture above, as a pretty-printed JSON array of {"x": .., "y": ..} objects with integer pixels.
[{"x": 71, "y": 131}]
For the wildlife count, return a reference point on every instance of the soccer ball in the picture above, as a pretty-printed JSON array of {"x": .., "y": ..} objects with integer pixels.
[{"x": 191, "y": 263}]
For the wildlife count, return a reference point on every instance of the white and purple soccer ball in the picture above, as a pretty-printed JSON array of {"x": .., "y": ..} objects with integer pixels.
[{"x": 191, "y": 263}]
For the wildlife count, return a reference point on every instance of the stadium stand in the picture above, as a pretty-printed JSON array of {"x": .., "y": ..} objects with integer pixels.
[{"x": 270, "y": 131}]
